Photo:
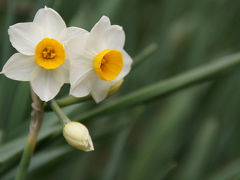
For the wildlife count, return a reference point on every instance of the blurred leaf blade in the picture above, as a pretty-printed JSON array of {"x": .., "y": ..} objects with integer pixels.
[
  {"x": 200, "y": 151},
  {"x": 229, "y": 171},
  {"x": 164, "y": 87},
  {"x": 144, "y": 94}
]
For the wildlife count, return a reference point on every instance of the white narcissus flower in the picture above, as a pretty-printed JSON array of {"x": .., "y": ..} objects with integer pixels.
[
  {"x": 98, "y": 60},
  {"x": 42, "y": 57}
]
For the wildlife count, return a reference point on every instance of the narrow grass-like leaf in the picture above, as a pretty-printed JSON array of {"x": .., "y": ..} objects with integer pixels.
[
  {"x": 161, "y": 88},
  {"x": 20, "y": 105},
  {"x": 201, "y": 150},
  {"x": 151, "y": 92},
  {"x": 14, "y": 147},
  {"x": 229, "y": 171},
  {"x": 145, "y": 54},
  {"x": 156, "y": 146}
]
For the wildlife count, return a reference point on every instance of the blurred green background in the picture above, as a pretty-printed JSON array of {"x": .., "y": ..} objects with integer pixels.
[{"x": 192, "y": 134}]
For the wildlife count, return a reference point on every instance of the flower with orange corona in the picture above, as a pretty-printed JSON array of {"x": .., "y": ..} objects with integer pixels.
[{"x": 98, "y": 60}]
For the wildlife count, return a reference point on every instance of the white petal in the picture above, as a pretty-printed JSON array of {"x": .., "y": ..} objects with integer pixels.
[
  {"x": 62, "y": 73},
  {"x": 84, "y": 85},
  {"x": 115, "y": 37},
  {"x": 75, "y": 47},
  {"x": 100, "y": 90},
  {"x": 25, "y": 36},
  {"x": 19, "y": 67},
  {"x": 70, "y": 33},
  {"x": 51, "y": 22},
  {"x": 101, "y": 26},
  {"x": 127, "y": 63},
  {"x": 46, "y": 83},
  {"x": 78, "y": 69},
  {"x": 97, "y": 35}
]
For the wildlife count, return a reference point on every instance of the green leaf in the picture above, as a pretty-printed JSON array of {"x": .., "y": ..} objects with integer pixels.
[
  {"x": 165, "y": 87},
  {"x": 227, "y": 172},
  {"x": 196, "y": 161},
  {"x": 16, "y": 146},
  {"x": 40, "y": 159},
  {"x": 143, "y": 95},
  {"x": 159, "y": 141}
]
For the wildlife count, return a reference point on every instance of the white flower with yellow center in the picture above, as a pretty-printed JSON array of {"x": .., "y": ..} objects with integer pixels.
[
  {"x": 42, "y": 57},
  {"x": 98, "y": 60}
]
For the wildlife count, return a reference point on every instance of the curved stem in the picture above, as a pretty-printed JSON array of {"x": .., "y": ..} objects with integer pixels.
[
  {"x": 35, "y": 125},
  {"x": 66, "y": 101},
  {"x": 61, "y": 116}
]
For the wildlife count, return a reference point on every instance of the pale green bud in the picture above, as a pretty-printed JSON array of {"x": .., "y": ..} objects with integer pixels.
[{"x": 77, "y": 135}]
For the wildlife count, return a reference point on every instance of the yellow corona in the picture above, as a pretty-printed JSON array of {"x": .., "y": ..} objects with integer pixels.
[
  {"x": 49, "y": 53},
  {"x": 108, "y": 64}
]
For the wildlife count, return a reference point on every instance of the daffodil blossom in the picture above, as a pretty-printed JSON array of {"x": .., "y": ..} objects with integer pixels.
[
  {"x": 42, "y": 57},
  {"x": 98, "y": 60}
]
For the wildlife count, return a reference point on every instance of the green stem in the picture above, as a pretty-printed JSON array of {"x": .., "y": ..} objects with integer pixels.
[
  {"x": 26, "y": 157},
  {"x": 35, "y": 125},
  {"x": 61, "y": 116},
  {"x": 66, "y": 101}
]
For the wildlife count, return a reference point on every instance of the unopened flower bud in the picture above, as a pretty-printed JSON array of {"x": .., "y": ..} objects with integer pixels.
[
  {"x": 77, "y": 135},
  {"x": 114, "y": 88}
]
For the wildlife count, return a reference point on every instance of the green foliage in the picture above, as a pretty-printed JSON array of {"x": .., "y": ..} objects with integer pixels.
[{"x": 176, "y": 117}]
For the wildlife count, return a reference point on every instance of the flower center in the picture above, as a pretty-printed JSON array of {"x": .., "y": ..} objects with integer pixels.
[
  {"x": 49, "y": 53},
  {"x": 108, "y": 64}
]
